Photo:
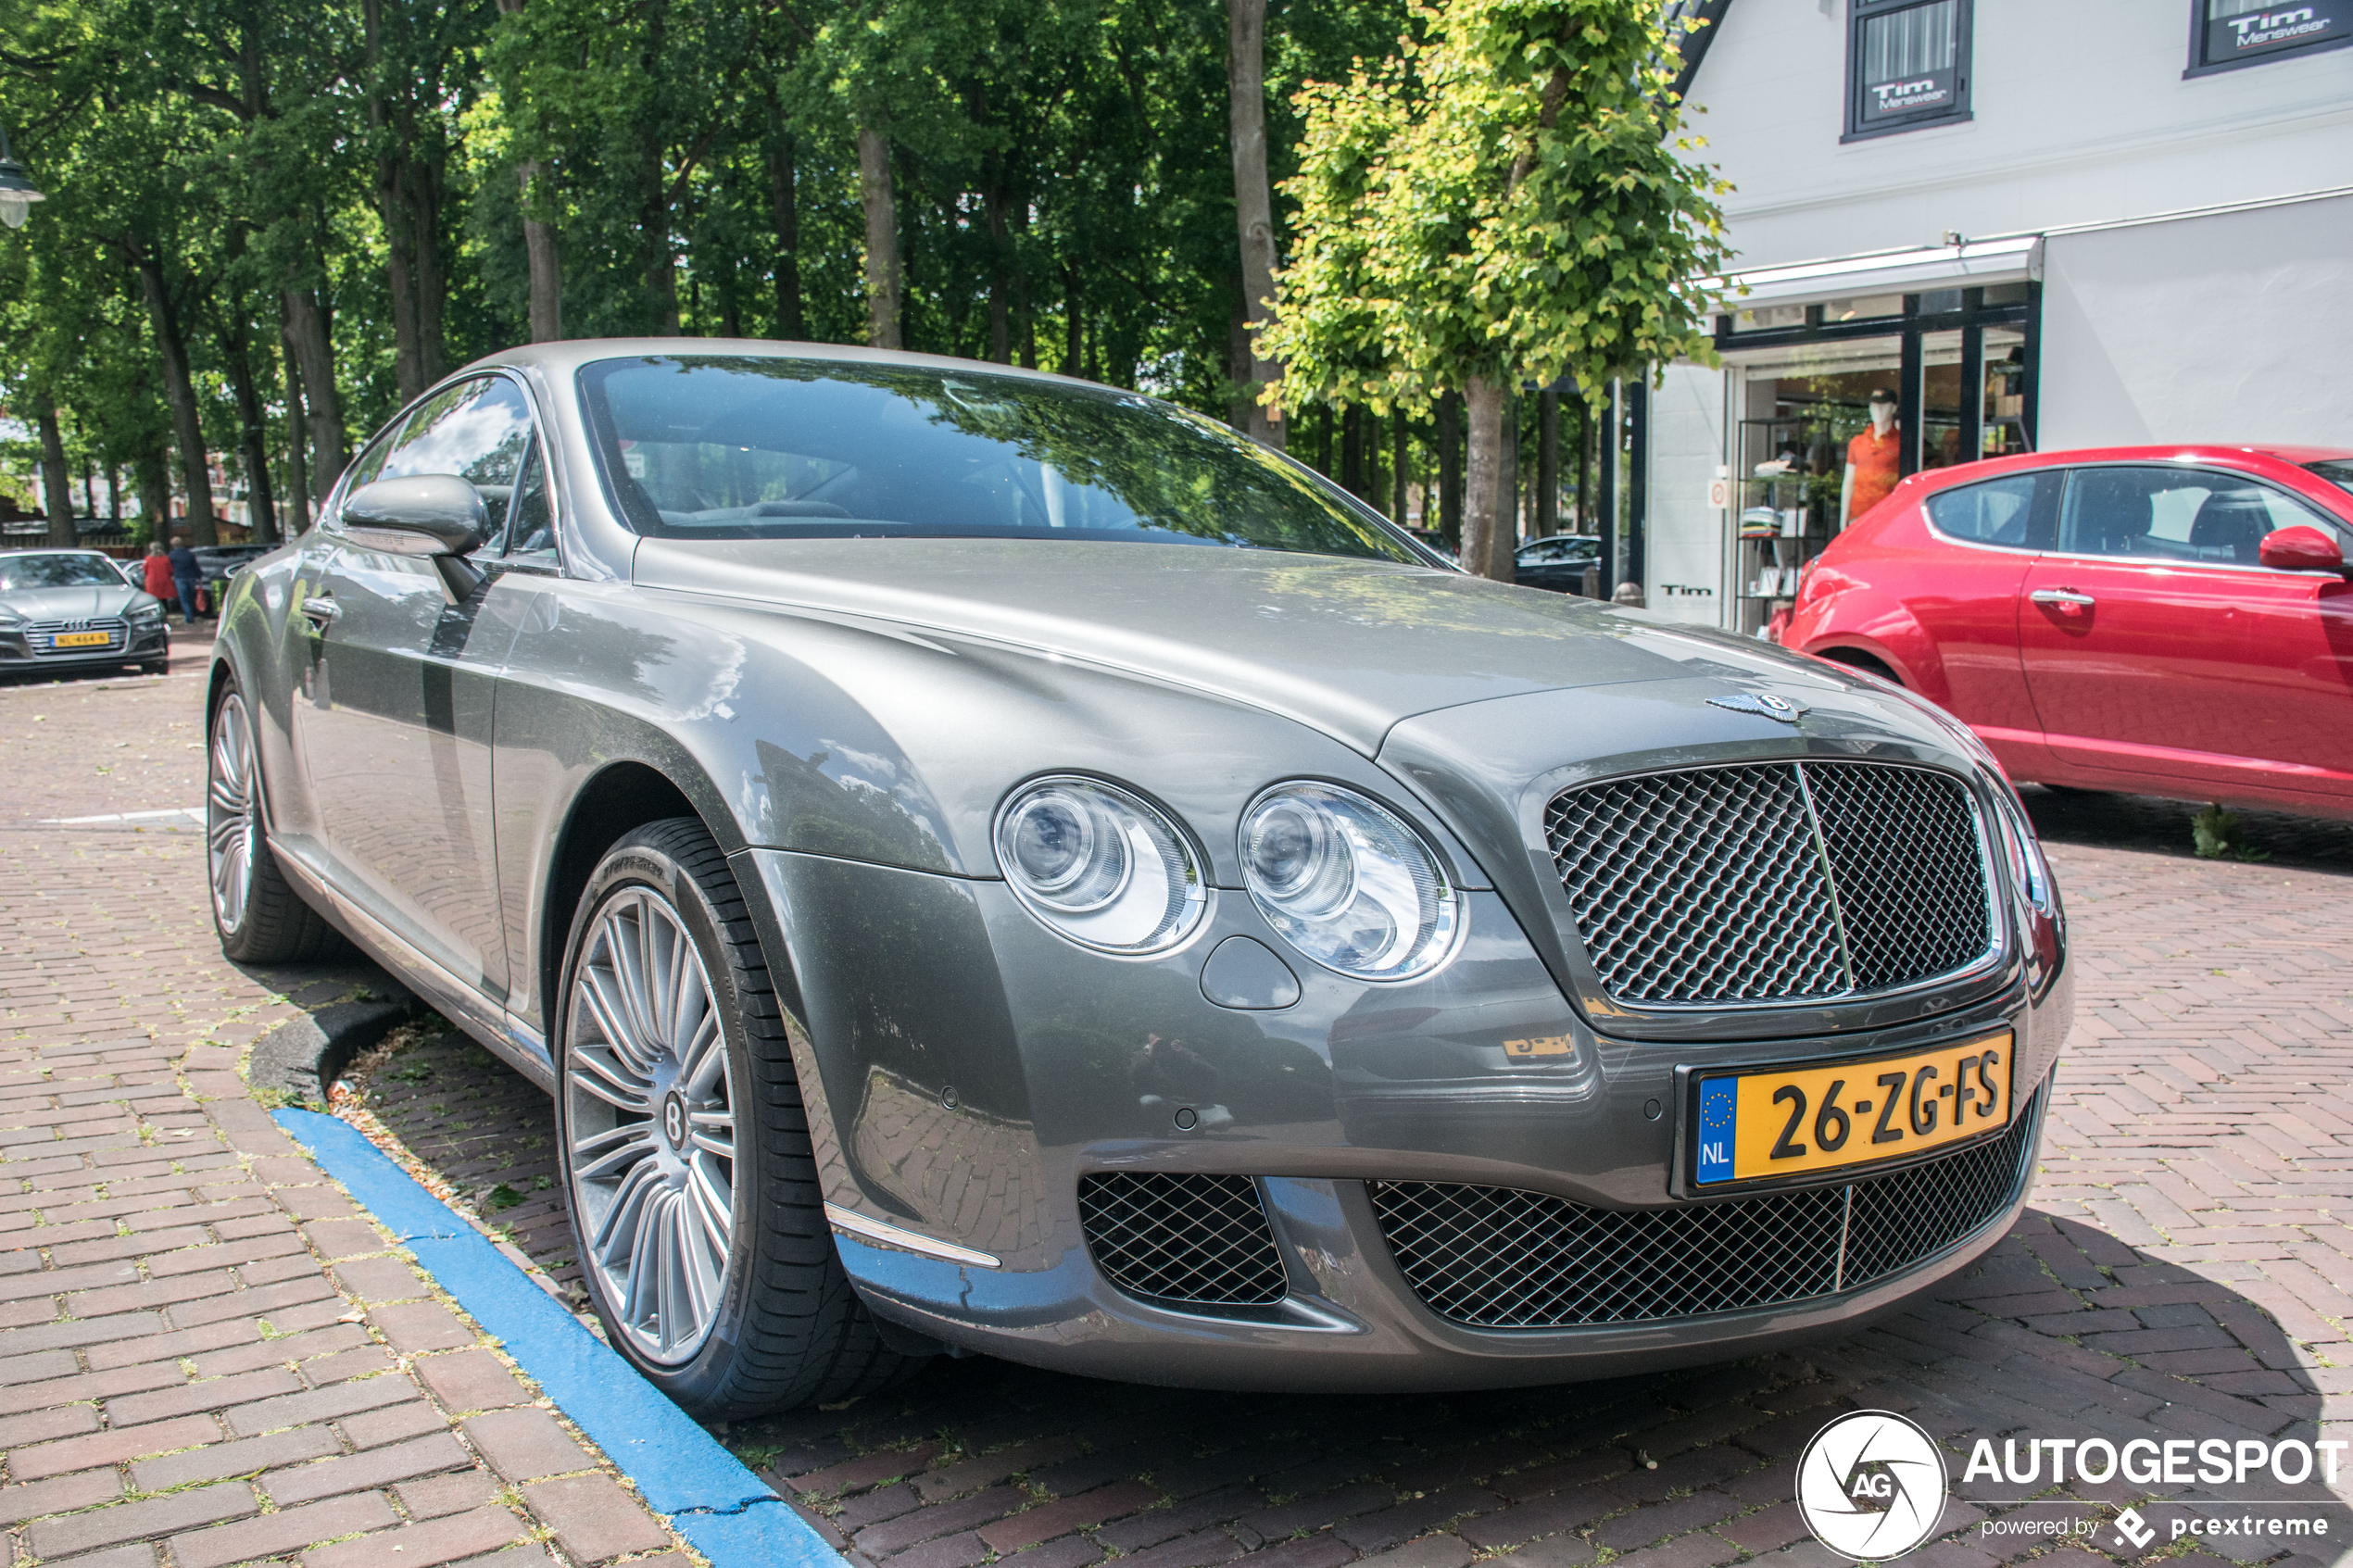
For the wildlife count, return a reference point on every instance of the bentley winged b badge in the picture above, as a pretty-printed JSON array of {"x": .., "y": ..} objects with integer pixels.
[{"x": 1769, "y": 707}]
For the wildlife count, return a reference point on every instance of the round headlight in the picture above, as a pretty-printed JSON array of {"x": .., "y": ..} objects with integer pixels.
[
  {"x": 1347, "y": 883},
  {"x": 1099, "y": 865}
]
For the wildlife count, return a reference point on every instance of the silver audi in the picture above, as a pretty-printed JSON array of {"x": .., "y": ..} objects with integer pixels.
[
  {"x": 67, "y": 609},
  {"x": 984, "y": 861}
]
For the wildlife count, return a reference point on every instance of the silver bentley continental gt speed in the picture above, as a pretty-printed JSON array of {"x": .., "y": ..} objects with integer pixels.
[{"x": 989, "y": 862}]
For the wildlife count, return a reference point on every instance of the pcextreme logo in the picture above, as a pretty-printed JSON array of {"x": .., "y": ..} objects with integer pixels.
[{"x": 1871, "y": 1485}]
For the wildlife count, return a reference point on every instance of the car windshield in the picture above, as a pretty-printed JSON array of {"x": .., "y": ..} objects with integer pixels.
[
  {"x": 696, "y": 447},
  {"x": 2336, "y": 470},
  {"x": 57, "y": 572}
]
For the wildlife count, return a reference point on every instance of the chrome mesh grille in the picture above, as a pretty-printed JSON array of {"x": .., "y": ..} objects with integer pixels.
[
  {"x": 1173, "y": 1237},
  {"x": 1772, "y": 882},
  {"x": 1497, "y": 1258}
]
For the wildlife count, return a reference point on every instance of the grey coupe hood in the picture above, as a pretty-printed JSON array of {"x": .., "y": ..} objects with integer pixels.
[
  {"x": 69, "y": 604},
  {"x": 1348, "y": 646}
]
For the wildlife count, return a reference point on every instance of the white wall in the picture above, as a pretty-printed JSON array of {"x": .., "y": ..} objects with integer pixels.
[
  {"x": 2081, "y": 116},
  {"x": 2230, "y": 327},
  {"x": 1685, "y": 566}
]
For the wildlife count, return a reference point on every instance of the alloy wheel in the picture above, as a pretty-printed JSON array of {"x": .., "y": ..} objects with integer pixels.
[
  {"x": 650, "y": 1125},
  {"x": 232, "y": 825}
]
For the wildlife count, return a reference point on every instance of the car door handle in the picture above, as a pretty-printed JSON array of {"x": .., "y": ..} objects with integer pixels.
[
  {"x": 2067, "y": 599},
  {"x": 320, "y": 611}
]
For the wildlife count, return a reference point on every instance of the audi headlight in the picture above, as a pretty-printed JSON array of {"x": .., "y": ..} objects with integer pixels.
[
  {"x": 1347, "y": 884},
  {"x": 146, "y": 614},
  {"x": 1101, "y": 866}
]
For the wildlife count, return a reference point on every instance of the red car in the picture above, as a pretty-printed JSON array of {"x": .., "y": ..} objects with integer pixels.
[{"x": 2171, "y": 620}]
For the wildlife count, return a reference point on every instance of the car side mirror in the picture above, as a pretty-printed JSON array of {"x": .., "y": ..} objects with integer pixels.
[
  {"x": 421, "y": 514},
  {"x": 2301, "y": 548}
]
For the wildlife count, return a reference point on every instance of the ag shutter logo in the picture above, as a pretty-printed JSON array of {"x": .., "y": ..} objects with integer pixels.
[{"x": 1871, "y": 1485}]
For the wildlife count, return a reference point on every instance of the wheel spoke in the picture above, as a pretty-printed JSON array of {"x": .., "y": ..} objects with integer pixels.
[
  {"x": 701, "y": 1058},
  {"x": 615, "y": 1242},
  {"x": 605, "y": 1154},
  {"x": 714, "y": 1203},
  {"x": 610, "y": 1012},
  {"x": 609, "y": 1078},
  {"x": 712, "y": 1131}
]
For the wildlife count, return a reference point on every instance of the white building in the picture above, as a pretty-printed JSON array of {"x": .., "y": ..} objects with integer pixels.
[{"x": 2044, "y": 224}]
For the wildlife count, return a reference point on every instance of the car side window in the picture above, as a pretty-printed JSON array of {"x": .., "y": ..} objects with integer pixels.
[
  {"x": 477, "y": 430},
  {"x": 531, "y": 532},
  {"x": 1996, "y": 511},
  {"x": 2190, "y": 515}
]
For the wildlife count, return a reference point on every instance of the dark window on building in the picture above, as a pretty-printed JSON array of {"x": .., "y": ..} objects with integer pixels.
[
  {"x": 2228, "y": 33},
  {"x": 1908, "y": 65}
]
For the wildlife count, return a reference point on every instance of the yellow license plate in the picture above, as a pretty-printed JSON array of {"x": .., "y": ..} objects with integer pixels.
[
  {"x": 79, "y": 640},
  {"x": 1794, "y": 1120}
]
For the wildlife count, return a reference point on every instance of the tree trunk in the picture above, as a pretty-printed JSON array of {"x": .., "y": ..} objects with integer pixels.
[
  {"x": 881, "y": 239},
  {"x": 1074, "y": 322},
  {"x": 57, "y": 479},
  {"x": 297, "y": 472},
  {"x": 253, "y": 441},
  {"x": 1485, "y": 402},
  {"x": 1254, "y": 200},
  {"x": 314, "y": 353},
  {"x": 1450, "y": 470},
  {"x": 1397, "y": 467},
  {"x": 547, "y": 322},
  {"x": 1548, "y": 463},
  {"x": 783, "y": 211},
  {"x": 187, "y": 427},
  {"x": 1505, "y": 543},
  {"x": 151, "y": 469},
  {"x": 421, "y": 184}
]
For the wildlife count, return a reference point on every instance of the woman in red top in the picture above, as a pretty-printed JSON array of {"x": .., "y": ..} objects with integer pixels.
[{"x": 157, "y": 569}]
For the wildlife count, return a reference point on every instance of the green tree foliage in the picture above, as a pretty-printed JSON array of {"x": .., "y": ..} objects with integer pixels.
[
  {"x": 269, "y": 224},
  {"x": 1509, "y": 196}
]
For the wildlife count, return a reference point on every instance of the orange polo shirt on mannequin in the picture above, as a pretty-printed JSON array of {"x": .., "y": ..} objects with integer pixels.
[{"x": 1873, "y": 456}]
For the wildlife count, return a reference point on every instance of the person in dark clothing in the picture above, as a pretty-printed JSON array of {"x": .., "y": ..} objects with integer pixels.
[{"x": 186, "y": 578}]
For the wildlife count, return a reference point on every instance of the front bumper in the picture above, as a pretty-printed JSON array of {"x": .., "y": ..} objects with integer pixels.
[
  {"x": 140, "y": 645},
  {"x": 967, "y": 1070}
]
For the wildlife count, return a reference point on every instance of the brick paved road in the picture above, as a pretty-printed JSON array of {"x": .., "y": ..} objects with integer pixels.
[
  {"x": 2181, "y": 1274},
  {"x": 207, "y": 1356}
]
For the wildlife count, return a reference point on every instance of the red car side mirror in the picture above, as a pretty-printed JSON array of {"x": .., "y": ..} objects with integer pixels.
[{"x": 2301, "y": 548}]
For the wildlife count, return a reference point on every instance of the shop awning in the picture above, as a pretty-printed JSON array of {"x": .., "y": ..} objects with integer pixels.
[{"x": 1969, "y": 263}]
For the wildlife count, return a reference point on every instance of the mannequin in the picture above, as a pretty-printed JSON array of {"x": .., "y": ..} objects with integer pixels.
[{"x": 1871, "y": 468}]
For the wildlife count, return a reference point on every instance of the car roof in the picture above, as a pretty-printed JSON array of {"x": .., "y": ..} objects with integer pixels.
[
  {"x": 560, "y": 358},
  {"x": 2239, "y": 455}
]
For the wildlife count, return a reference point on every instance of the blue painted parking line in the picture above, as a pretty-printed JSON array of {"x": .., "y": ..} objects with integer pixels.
[{"x": 722, "y": 1509}]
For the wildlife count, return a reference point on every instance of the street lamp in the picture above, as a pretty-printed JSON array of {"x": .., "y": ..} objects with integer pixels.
[{"x": 17, "y": 193}]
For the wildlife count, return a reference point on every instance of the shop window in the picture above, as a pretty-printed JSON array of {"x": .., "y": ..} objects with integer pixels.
[
  {"x": 2225, "y": 34},
  {"x": 1908, "y": 65}
]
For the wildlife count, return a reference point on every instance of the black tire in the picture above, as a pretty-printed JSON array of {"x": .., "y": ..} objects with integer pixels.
[
  {"x": 156, "y": 667},
  {"x": 261, "y": 918},
  {"x": 786, "y": 1329}
]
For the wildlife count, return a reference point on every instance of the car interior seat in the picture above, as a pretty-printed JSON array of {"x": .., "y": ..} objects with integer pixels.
[{"x": 2230, "y": 526}]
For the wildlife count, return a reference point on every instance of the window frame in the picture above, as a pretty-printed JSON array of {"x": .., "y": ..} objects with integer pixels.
[
  {"x": 2199, "y": 65},
  {"x": 2042, "y": 516},
  {"x": 1859, "y": 14}
]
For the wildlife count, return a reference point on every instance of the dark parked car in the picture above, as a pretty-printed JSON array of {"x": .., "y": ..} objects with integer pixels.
[
  {"x": 986, "y": 860},
  {"x": 1558, "y": 563},
  {"x": 72, "y": 608}
]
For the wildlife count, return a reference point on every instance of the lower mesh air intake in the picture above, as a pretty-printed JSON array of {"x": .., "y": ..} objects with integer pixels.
[
  {"x": 1499, "y": 1258},
  {"x": 1172, "y": 1236}
]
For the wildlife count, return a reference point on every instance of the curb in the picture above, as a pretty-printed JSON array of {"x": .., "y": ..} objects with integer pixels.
[
  {"x": 301, "y": 1057},
  {"x": 718, "y": 1507}
]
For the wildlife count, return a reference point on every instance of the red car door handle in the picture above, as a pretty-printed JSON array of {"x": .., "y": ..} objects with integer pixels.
[{"x": 2069, "y": 601}]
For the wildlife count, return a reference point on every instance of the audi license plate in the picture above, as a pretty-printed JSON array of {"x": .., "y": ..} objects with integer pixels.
[
  {"x": 1794, "y": 1120},
  {"x": 79, "y": 640}
]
